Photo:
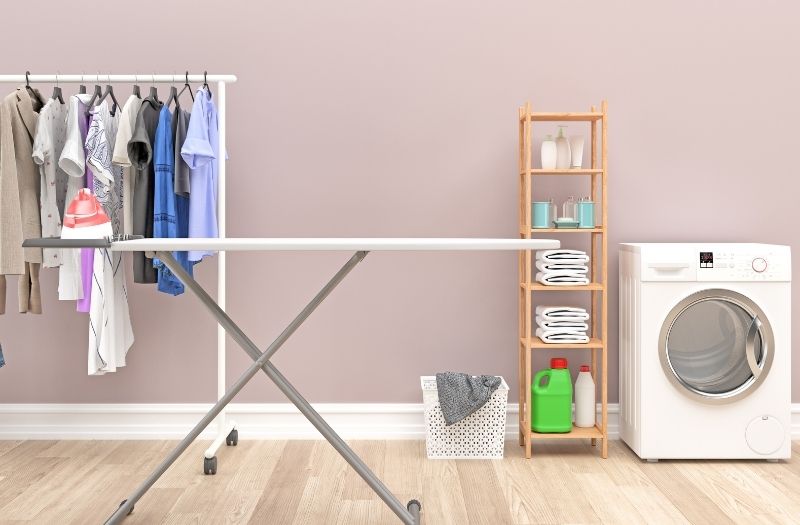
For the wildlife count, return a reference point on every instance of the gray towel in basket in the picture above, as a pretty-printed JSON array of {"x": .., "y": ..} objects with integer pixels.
[{"x": 462, "y": 394}]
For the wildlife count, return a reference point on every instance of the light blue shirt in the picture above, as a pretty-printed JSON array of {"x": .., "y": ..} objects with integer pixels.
[{"x": 201, "y": 151}]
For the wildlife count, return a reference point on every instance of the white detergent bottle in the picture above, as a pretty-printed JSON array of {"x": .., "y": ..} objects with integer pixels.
[
  {"x": 549, "y": 153},
  {"x": 563, "y": 156},
  {"x": 585, "y": 408}
]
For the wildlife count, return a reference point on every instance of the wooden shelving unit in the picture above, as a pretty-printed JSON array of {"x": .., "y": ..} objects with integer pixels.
[{"x": 598, "y": 271}]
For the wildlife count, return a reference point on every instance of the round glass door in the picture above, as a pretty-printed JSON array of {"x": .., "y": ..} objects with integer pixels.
[{"x": 716, "y": 346}]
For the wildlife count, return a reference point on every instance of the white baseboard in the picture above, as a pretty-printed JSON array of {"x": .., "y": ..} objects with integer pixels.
[{"x": 254, "y": 420}]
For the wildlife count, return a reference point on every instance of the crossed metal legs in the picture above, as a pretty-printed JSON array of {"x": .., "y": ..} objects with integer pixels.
[{"x": 408, "y": 514}]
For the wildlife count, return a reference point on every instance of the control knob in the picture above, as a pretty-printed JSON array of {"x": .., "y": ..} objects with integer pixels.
[{"x": 759, "y": 264}]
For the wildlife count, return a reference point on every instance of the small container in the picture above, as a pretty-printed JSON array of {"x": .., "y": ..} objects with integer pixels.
[
  {"x": 585, "y": 213},
  {"x": 576, "y": 151},
  {"x": 565, "y": 222},
  {"x": 543, "y": 213},
  {"x": 551, "y": 404},
  {"x": 549, "y": 153},
  {"x": 568, "y": 209},
  {"x": 562, "y": 150},
  {"x": 585, "y": 408}
]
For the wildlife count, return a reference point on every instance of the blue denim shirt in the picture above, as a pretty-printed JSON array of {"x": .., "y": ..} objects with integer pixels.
[{"x": 165, "y": 203}]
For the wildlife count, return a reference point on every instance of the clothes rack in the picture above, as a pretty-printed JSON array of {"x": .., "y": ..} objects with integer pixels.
[{"x": 226, "y": 430}]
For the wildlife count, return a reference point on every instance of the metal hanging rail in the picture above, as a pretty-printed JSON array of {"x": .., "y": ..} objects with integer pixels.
[{"x": 125, "y": 79}]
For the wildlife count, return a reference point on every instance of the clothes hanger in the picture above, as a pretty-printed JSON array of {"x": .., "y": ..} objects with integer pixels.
[
  {"x": 187, "y": 86},
  {"x": 97, "y": 94},
  {"x": 82, "y": 87},
  {"x": 154, "y": 90},
  {"x": 136, "y": 92},
  {"x": 57, "y": 92},
  {"x": 32, "y": 92},
  {"x": 205, "y": 82},
  {"x": 173, "y": 95},
  {"x": 110, "y": 91}
]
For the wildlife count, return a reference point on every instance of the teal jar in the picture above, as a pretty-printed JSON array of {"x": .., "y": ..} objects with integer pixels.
[
  {"x": 585, "y": 213},
  {"x": 542, "y": 214}
]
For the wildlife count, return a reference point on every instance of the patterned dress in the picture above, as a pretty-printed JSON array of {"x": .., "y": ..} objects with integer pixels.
[{"x": 107, "y": 177}]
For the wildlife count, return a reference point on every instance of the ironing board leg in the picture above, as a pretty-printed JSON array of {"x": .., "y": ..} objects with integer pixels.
[{"x": 408, "y": 514}]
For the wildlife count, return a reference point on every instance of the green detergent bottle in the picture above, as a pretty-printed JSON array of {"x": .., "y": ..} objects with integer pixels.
[{"x": 551, "y": 405}]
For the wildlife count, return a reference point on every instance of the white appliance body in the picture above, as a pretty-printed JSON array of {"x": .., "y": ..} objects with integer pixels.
[{"x": 705, "y": 350}]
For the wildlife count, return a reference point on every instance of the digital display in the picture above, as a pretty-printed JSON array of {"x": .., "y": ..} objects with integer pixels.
[{"x": 706, "y": 259}]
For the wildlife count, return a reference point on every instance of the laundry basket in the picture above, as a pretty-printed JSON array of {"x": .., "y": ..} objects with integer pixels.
[{"x": 478, "y": 436}]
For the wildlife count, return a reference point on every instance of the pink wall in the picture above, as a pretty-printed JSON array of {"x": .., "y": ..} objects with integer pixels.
[{"x": 398, "y": 119}]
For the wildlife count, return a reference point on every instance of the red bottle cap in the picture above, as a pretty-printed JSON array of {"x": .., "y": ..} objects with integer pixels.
[
  {"x": 584, "y": 368},
  {"x": 84, "y": 210},
  {"x": 558, "y": 362}
]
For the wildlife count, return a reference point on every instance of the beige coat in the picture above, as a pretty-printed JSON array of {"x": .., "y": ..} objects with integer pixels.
[{"x": 19, "y": 198}]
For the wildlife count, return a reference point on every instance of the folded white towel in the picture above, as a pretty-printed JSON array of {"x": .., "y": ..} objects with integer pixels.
[
  {"x": 571, "y": 325},
  {"x": 562, "y": 268},
  {"x": 560, "y": 336},
  {"x": 562, "y": 313},
  {"x": 562, "y": 255},
  {"x": 557, "y": 279}
]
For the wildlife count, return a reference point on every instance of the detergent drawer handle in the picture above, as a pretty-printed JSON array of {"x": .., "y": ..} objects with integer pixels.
[{"x": 668, "y": 266}]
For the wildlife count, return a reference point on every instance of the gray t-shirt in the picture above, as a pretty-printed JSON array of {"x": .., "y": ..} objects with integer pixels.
[
  {"x": 180, "y": 123},
  {"x": 140, "y": 151}
]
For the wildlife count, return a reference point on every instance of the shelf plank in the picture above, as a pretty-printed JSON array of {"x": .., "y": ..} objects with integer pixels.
[
  {"x": 570, "y": 171},
  {"x": 566, "y": 117},
  {"x": 539, "y": 287},
  {"x": 535, "y": 342},
  {"x": 576, "y": 433},
  {"x": 533, "y": 231}
]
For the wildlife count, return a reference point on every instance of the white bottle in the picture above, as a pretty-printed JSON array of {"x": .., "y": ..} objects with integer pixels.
[
  {"x": 585, "y": 408},
  {"x": 563, "y": 156},
  {"x": 549, "y": 152}
]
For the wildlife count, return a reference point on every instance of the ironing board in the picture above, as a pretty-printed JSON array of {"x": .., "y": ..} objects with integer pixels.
[{"x": 163, "y": 248}]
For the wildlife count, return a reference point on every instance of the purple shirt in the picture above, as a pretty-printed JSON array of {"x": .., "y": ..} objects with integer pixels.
[
  {"x": 201, "y": 151},
  {"x": 87, "y": 254}
]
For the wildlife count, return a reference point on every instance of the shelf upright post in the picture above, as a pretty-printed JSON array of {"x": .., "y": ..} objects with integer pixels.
[
  {"x": 593, "y": 265},
  {"x": 520, "y": 272},
  {"x": 604, "y": 392},
  {"x": 528, "y": 275}
]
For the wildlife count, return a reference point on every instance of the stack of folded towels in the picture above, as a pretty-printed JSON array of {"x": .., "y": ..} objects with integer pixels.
[
  {"x": 562, "y": 324},
  {"x": 562, "y": 267}
]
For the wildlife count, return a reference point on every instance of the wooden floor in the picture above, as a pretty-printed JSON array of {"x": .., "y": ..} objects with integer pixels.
[{"x": 275, "y": 482}]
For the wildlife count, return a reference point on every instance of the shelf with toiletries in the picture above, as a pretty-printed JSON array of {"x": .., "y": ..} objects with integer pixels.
[
  {"x": 549, "y": 149},
  {"x": 597, "y": 229},
  {"x": 574, "y": 215}
]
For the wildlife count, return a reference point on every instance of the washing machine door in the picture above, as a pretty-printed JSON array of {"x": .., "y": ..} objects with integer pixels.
[{"x": 716, "y": 346}]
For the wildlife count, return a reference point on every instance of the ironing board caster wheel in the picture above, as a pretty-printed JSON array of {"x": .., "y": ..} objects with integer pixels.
[
  {"x": 233, "y": 438},
  {"x": 414, "y": 507},
  {"x": 210, "y": 465},
  {"x": 123, "y": 503}
]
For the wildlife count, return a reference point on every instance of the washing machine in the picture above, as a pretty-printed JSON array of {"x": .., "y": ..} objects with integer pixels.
[{"x": 705, "y": 350}]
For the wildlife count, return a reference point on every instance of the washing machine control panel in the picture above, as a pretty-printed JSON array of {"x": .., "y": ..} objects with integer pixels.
[{"x": 730, "y": 265}]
